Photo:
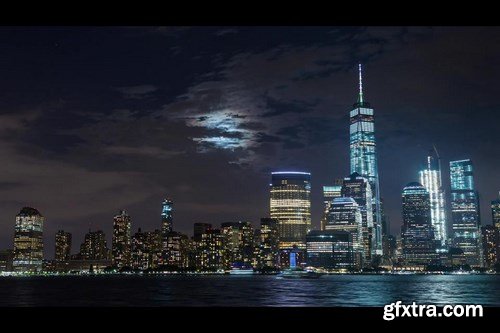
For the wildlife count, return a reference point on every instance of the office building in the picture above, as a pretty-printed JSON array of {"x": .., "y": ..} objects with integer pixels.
[
  {"x": 176, "y": 243},
  {"x": 430, "y": 178},
  {"x": 330, "y": 249},
  {"x": 239, "y": 243},
  {"x": 363, "y": 156},
  {"x": 359, "y": 189},
  {"x": 212, "y": 251},
  {"x": 166, "y": 225},
  {"x": 6, "y": 258},
  {"x": 465, "y": 211},
  {"x": 121, "y": 244},
  {"x": 94, "y": 246},
  {"x": 199, "y": 229},
  {"x": 491, "y": 246},
  {"x": 28, "y": 241},
  {"x": 330, "y": 192},
  {"x": 417, "y": 232},
  {"x": 345, "y": 215},
  {"x": 495, "y": 212},
  {"x": 63, "y": 246},
  {"x": 268, "y": 245},
  {"x": 146, "y": 249},
  {"x": 290, "y": 204}
]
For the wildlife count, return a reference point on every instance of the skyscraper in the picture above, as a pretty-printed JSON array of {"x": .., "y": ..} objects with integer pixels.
[
  {"x": 121, "y": 246},
  {"x": 166, "y": 216},
  {"x": 166, "y": 225},
  {"x": 239, "y": 242},
  {"x": 63, "y": 246},
  {"x": 290, "y": 204},
  {"x": 417, "y": 233},
  {"x": 345, "y": 215},
  {"x": 175, "y": 250},
  {"x": 6, "y": 257},
  {"x": 94, "y": 246},
  {"x": 359, "y": 189},
  {"x": 330, "y": 192},
  {"x": 212, "y": 251},
  {"x": 491, "y": 246},
  {"x": 199, "y": 229},
  {"x": 430, "y": 178},
  {"x": 495, "y": 212},
  {"x": 28, "y": 241},
  {"x": 330, "y": 249},
  {"x": 364, "y": 156},
  {"x": 268, "y": 245},
  {"x": 465, "y": 211},
  {"x": 146, "y": 249}
]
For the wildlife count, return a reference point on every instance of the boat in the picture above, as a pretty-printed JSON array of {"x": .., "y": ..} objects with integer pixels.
[
  {"x": 299, "y": 273},
  {"x": 241, "y": 271}
]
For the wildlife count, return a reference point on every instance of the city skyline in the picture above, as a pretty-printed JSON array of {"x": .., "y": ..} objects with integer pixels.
[{"x": 208, "y": 193}]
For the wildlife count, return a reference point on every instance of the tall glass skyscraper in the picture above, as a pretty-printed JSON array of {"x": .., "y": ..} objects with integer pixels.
[
  {"x": 430, "y": 178},
  {"x": 465, "y": 211},
  {"x": 290, "y": 204},
  {"x": 28, "y": 241},
  {"x": 345, "y": 215},
  {"x": 330, "y": 193},
  {"x": 166, "y": 216},
  {"x": 364, "y": 156},
  {"x": 495, "y": 212},
  {"x": 359, "y": 189},
  {"x": 166, "y": 225},
  {"x": 417, "y": 232}
]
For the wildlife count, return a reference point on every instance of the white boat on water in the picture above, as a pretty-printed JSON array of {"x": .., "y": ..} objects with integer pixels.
[
  {"x": 299, "y": 273},
  {"x": 241, "y": 271}
]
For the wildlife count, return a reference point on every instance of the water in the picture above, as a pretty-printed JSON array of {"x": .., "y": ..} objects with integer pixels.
[{"x": 332, "y": 290}]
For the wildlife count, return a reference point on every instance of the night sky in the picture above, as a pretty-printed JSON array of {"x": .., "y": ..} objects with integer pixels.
[{"x": 93, "y": 120}]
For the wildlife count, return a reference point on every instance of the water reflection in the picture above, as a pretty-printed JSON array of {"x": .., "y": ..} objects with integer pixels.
[{"x": 334, "y": 290}]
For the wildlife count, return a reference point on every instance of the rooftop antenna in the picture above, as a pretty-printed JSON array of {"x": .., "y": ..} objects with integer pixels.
[{"x": 360, "y": 84}]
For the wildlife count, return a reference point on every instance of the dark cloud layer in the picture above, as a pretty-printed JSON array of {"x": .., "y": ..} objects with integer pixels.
[{"x": 93, "y": 120}]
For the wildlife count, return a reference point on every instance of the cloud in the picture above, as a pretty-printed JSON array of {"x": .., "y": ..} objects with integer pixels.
[
  {"x": 137, "y": 92},
  {"x": 144, "y": 151}
]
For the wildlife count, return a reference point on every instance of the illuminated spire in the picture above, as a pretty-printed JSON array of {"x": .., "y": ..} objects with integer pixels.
[{"x": 360, "y": 86}]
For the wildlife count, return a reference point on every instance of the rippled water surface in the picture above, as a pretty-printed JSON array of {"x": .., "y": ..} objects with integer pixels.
[{"x": 333, "y": 290}]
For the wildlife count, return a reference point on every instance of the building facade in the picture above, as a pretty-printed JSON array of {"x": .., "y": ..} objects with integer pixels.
[
  {"x": 330, "y": 192},
  {"x": 63, "y": 246},
  {"x": 176, "y": 249},
  {"x": 465, "y": 211},
  {"x": 94, "y": 246},
  {"x": 268, "y": 254},
  {"x": 239, "y": 243},
  {"x": 28, "y": 241},
  {"x": 146, "y": 252},
  {"x": 417, "y": 233},
  {"x": 167, "y": 220},
  {"x": 495, "y": 212},
  {"x": 345, "y": 215},
  {"x": 491, "y": 245},
  {"x": 199, "y": 229},
  {"x": 359, "y": 189},
  {"x": 212, "y": 251},
  {"x": 363, "y": 157},
  {"x": 6, "y": 258},
  {"x": 330, "y": 250},
  {"x": 290, "y": 204},
  {"x": 430, "y": 178},
  {"x": 121, "y": 245}
]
